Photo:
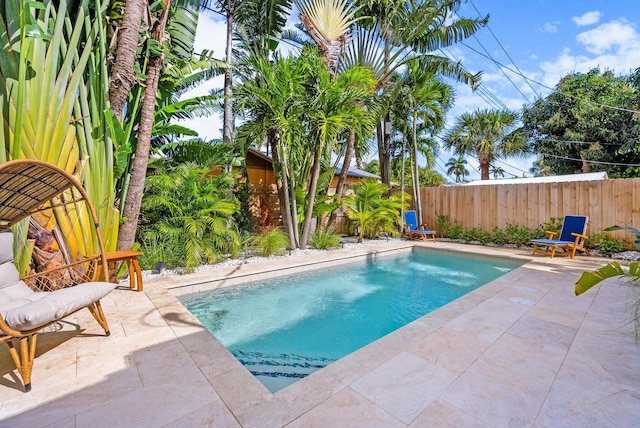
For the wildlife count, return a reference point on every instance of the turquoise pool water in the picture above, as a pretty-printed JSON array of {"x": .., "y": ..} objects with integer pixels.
[{"x": 286, "y": 328}]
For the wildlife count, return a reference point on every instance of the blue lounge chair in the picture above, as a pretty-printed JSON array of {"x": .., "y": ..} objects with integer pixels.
[
  {"x": 572, "y": 237},
  {"x": 415, "y": 233}
]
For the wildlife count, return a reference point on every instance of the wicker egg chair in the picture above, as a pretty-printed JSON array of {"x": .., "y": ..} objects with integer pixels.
[{"x": 27, "y": 305}]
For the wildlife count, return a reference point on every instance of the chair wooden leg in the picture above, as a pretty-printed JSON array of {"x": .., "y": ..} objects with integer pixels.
[
  {"x": 24, "y": 359},
  {"x": 96, "y": 311}
]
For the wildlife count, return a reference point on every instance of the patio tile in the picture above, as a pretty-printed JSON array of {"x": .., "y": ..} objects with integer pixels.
[
  {"x": 518, "y": 354},
  {"x": 541, "y": 330},
  {"x": 450, "y": 349},
  {"x": 251, "y": 403},
  {"x": 488, "y": 320},
  {"x": 404, "y": 386},
  {"x": 211, "y": 415},
  {"x": 443, "y": 414},
  {"x": 585, "y": 394},
  {"x": 346, "y": 409},
  {"x": 497, "y": 396}
]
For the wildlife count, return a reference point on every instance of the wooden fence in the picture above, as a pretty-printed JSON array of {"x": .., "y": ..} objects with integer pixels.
[{"x": 606, "y": 202}]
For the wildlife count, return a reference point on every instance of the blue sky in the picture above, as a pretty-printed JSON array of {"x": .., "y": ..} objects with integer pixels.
[{"x": 543, "y": 39}]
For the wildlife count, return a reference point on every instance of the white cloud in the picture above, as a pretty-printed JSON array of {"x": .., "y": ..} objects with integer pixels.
[
  {"x": 614, "y": 34},
  {"x": 615, "y": 46},
  {"x": 548, "y": 27},
  {"x": 588, "y": 18}
]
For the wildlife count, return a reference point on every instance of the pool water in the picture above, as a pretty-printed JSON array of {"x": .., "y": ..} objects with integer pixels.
[{"x": 286, "y": 328}]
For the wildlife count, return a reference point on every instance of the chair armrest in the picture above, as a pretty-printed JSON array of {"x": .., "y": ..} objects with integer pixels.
[
  {"x": 551, "y": 234},
  {"x": 578, "y": 236}
]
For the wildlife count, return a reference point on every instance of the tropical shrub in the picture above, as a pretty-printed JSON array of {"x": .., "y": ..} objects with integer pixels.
[
  {"x": 604, "y": 243},
  {"x": 270, "y": 242},
  {"x": 469, "y": 235},
  {"x": 455, "y": 231},
  {"x": 188, "y": 206},
  {"x": 323, "y": 239},
  {"x": 371, "y": 211},
  {"x": 443, "y": 222},
  {"x": 483, "y": 236},
  {"x": 498, "y": 236},
  {"x": 518, "y": 235}
]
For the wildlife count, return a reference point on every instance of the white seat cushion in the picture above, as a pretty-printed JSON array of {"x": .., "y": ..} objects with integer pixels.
[{"x": 38, "y": 309}]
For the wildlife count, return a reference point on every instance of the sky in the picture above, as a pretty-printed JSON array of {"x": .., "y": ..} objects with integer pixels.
[{"x": 542, "y": 40}]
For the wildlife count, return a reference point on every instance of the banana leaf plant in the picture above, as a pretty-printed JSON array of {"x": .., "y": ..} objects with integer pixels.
[
  {"x": 53, "y": 78},
  {"x": 590, "y": 279}
]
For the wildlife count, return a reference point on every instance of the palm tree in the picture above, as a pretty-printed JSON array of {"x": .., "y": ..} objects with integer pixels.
[
  {"x": 391, "y": 32},
  {"x": 187, "y": 16},
  {"x": 421, "y": 101},
  {"x": 487, "y": 134},
  {"x": 328, "y": 23},
  {"x": 497, "y": 171},
  {"x": 457, "y": 166},
  {"x": 371, "y": 211}
]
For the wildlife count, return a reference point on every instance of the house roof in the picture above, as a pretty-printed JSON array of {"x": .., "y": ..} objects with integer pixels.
[{"x": 592, "y": 176}]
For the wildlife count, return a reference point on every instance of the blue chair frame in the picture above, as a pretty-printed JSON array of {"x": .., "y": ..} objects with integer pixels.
[
  {"x": 571, "y": 239},
  {"x": 414, "y": 232}
]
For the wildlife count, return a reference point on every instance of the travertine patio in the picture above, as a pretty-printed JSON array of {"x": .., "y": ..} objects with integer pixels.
[{"x": 520, "y": 351}]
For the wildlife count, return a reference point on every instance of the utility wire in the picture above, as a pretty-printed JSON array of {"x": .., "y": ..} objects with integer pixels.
[
  {"x": 506, "y": 53},
  {"x": 589, "y": 161},
  {"x": 481, "y": 90},
  {"x": 547, "y": 87}
]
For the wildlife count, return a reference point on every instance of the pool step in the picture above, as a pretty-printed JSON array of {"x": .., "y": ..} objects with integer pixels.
[{"x": 281, "y": 365}]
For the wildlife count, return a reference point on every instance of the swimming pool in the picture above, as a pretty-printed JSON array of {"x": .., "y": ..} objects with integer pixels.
[{"x": 286, "y": 328}]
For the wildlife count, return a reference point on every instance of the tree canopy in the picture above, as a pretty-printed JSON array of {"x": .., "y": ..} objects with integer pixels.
[{"x": 588, "y": 123}]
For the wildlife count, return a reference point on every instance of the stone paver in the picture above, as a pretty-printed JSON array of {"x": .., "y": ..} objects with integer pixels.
[{"x": 520, "y": 351}]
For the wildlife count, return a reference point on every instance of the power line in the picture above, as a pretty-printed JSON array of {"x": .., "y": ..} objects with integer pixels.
[
  {"x": 547, "y": 87},
  {"x": 589, "y": 161},
  {"x": 481, "y": 90},
  {"x": 506, "y": 53}
]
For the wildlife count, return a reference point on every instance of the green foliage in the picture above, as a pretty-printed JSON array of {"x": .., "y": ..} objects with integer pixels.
[
  {"x": 160, "y": 248},
  {"x": 518, "y": 235},
  {"x": 483, "y": 236},
  {"x": 455, "y": 231},
  {"x": 443, "y": 223},
  {"x": 488, "y": 135},
  {"x": 553, "y": 225},
  {"x": 578, "y": 111},
  {"x": 498, "y": 236},
  {"x": 590, "y": 279},
  {"x": 604, "y": 243},
  {"x": 469, "y": 235},
  {"x": 635, "y": 231},
  {"x": 270, "y": 242},
  {"x": 323, "y": 239},
  {"x": 371, "y": 211},
  {"x": 190, "y": 208}
]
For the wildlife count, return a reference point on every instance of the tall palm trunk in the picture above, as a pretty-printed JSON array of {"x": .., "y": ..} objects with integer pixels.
[
  {"x": 123, "y": 74},
  {"x": 485, "y": 160},
  {"x": 315, "y": 173},
  {"x": 131, "y": 209},
  {"x": 384, "y": 150},
  {"x": 227, "y": 129},
  {"x": 416, "y": 169},
  {"x": 351, "y": 142},
  {"x": 283, "y": 189}
]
